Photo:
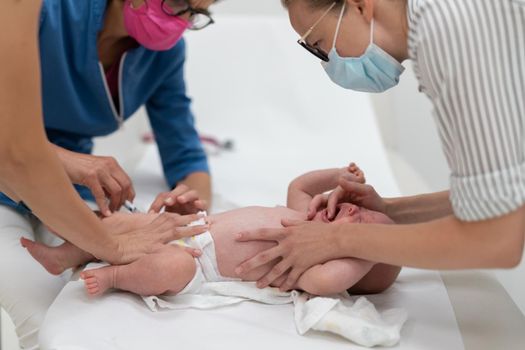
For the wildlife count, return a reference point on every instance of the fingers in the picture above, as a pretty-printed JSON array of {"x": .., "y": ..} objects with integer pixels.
[
  {"x": 264, "y": 234},
  {"x": 290, "y": 223},
  {"x": 100, "y": 198},
  {"x": 260, "y": 259},
  {"x": 355, "y": 170},
  {"x": 183, "y": 232},
  {"x": 317, "y": 202},
  {"x": 176, "y": 220},
  {"x": 194, "y": 252},
  {"x": 291, "y": 281},
  {"x": 170, "y": 227},
  {"x": 349, "y": 185},
  {"x": 350, "y": 178},
  {"x": 128, "y": 192},
  {"x": 182, "y": 199},
  {"x": 25, "y": 242},
  {"x": 158, "y": 203},
  {"x": 201, "y": 204},
  {"x": 172, "y": 197},
  {"x": 114, "y": 192},
  {"x": 277, "y": 271},
  {"x": 333, "y": 201},
  {"x": 132, "y": 194},
  {"x": 184, "y": 220},
  {"x": 188, "y": 197},
  {"x": 105, "y": 178}
]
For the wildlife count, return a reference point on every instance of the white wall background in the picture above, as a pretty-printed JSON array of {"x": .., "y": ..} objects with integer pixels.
[{"x": 251, "y": 7}]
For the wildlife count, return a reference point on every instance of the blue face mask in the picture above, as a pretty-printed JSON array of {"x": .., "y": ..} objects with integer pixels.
[{"x": 374, "y": 71}]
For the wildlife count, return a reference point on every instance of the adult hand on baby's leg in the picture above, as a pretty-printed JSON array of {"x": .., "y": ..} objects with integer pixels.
[{"x": 145, "y": 238}]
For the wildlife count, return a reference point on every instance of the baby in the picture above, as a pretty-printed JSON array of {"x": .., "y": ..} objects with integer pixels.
[{"x": 172, "y": 270}]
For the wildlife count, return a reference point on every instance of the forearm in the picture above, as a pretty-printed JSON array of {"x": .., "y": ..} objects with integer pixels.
[
  {"x": 305, "y": 187},
  {"x": 417, "y": 209},
  {"x": 53, "y": 199},
  {"x": 30, "y": 170},
  {"x": 445, "y": 243},
  {"x": 200, "y": 182},
  {"x": 62, "y": 153}
]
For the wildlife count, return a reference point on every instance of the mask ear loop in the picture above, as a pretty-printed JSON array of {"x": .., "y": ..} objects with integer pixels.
[{"x": 339, "y": 25}]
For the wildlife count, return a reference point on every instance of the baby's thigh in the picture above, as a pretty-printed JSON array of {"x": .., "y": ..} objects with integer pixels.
[{"x": 168, "y": 270}]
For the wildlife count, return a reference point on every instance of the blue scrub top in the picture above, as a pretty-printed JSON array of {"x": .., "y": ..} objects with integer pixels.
[{"x": 76, "y": 103}]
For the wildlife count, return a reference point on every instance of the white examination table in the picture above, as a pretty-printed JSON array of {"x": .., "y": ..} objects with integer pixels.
[{"x": 253, "y": 84}]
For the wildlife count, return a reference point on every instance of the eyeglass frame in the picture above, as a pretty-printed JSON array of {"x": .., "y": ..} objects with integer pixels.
[
  {"x": 314, "y": 50},
  {"x": 193, "y": 11}
]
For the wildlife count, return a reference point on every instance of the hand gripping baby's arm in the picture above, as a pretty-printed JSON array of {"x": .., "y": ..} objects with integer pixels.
[{"x": 302, "y": 190}]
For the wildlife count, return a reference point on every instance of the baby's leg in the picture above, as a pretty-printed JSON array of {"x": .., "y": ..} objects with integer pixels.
[
  {"x": 167, "y": 271},
  {"x": 57, "y": 259},
  {"x": 334, "y": 276}
]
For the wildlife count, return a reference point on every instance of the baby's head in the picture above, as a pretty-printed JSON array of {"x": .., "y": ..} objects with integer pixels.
[{"x": 351, "y": 213}]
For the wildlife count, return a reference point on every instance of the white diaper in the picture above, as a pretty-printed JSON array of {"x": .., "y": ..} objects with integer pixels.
[{"x": 207, "y": 268}]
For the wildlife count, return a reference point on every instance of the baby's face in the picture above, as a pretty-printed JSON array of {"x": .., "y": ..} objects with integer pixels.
[{"x": 351, "y": 213}]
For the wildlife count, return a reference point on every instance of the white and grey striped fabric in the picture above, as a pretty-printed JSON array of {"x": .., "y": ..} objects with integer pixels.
[{"x": 470, "y": 60}]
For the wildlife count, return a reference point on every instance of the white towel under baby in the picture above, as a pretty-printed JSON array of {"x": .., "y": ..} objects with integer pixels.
[{"x": 355, "y": 319}]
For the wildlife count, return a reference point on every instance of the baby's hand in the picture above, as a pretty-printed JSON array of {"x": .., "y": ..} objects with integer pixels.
[{"x": 358, "y": 174}]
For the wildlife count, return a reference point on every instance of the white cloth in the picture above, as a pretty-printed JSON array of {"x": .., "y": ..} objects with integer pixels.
[
  {"x": 26, "y": 288},
  {"x": 357, "y": 321}
]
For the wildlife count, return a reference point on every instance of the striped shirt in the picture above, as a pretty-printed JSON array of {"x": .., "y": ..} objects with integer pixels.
[{"x": 469, "y": 57}]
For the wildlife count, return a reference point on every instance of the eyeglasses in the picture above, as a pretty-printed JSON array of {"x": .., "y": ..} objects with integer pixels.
[
  {"x": 316, "y": 51},
  {"x": 199, "y": 18}
]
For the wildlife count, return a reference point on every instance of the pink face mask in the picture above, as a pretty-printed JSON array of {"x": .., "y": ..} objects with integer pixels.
[{"x": 151, "y": 27}]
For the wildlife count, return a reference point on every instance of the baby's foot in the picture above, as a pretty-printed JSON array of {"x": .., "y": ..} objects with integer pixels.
[
  {"x": 357, "y": 172},
  {"x": 98, "y": 281},
  {"x": 48, "y": 257},
  {"x": 56, "y": 259}
]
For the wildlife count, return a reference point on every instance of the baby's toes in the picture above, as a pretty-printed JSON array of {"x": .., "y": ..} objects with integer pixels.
[{"x": 93, "y": 290}]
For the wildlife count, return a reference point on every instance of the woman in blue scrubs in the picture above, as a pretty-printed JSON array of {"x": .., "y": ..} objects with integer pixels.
[{"x": 100, "y": 61}]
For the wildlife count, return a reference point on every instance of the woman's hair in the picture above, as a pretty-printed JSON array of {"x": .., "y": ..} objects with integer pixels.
[{"x": 315, "y": 4}]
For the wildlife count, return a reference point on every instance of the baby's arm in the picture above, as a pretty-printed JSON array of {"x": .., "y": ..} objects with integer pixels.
[
  {"x": 167, "y": 271},
  {"x": 334, "y": 276},
  {"x": 303, "y": 189}
]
